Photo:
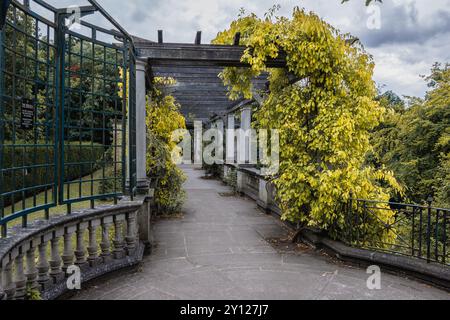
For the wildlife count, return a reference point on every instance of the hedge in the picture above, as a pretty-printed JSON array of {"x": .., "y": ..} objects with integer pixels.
[{"x": 41, "y": 169}]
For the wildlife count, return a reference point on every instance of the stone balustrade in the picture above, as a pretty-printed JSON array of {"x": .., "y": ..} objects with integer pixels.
[
  {"x": 255, "y": 185},
  {"x": 38, "y": 257}
]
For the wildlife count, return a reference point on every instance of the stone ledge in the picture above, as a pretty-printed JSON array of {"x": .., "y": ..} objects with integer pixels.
[
  {"x": 433, "y": 273},
  {"x": 20, "y": 235}
]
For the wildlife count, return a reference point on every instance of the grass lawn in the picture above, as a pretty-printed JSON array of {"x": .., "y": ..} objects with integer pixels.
[{"x": 62, "y": 209}]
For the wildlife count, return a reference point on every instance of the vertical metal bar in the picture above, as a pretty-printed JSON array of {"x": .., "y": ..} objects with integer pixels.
[
  {"x": 13, "y": 99},
  {"x": 420, "y": 232},
  {"x": 436, "y": 237},
  {"x": 429, "y": 233},
  {"x": 3, "y": 12},
  {"x": 350, "y": 219},
  {"x": 93, "y": 118},
  {"x": 444, "y": 250},
  {"x": 413, "y": 231},
  {"x": 60, "y": 55},
  {"x": 36, "y": 113},
  {"x": 357, "y": 224},
  {"x": 2, "y": 121}
]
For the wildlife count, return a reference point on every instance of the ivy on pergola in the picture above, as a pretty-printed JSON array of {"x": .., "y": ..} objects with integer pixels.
[{"x": 324, "y": 120}]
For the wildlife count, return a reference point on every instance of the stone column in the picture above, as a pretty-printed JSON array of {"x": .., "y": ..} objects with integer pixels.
[
  {"x": 244, "y": 141},
  {"x": 198, "y": 144},
  {"x": 220, "y": 129},
  {"x": 144, "y": 232},
  {"x": 231, "y": 134},
  {"x": 141, "y": 129}
]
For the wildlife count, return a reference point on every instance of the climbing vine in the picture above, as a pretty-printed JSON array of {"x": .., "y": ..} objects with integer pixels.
[
  {"x": 163, "y": 118},
  {"x": 323, "y": 105}
]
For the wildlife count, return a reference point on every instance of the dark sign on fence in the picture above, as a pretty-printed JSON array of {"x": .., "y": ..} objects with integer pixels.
[{"x": 27, "y": 115}]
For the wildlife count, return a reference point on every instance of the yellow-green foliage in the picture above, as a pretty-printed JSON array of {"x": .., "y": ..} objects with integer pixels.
[
  {"x": 163, "y": 118},
  {"x": 324, "y": 118}
]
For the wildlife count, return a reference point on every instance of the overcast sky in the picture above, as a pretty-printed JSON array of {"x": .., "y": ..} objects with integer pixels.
[{"x": 412, "y": 34}]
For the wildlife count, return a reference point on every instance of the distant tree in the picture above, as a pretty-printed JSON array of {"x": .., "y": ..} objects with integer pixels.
[{"x": 414, "y": 141}]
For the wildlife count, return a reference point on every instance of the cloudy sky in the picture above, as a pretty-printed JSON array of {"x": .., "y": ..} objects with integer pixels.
[{"x": 407, "y": 39}]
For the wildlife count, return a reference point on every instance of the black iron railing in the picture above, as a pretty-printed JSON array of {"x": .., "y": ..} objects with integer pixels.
[{"x": 407, "y": 229}]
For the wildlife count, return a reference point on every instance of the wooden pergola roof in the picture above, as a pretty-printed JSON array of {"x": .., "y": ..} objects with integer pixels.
[{"x": 196, "y": 67}]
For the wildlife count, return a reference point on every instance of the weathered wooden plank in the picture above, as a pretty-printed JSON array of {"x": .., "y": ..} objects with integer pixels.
[{"x": 205, "y": 54}]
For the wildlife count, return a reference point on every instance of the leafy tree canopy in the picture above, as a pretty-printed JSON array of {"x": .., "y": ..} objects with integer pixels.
[{"x": 414, "y": 142}]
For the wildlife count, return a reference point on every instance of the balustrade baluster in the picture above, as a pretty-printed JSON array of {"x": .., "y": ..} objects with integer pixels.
[
  {"x": 105, "y": 245},
  {"x": 93, "y": 246},
  {"x": 80, "y": 252},
  {"x": 31, "y": 271},
  {"x": 55, "y": 261},
  {"x": 119, "y": 252},
  {"x": 43, "y": 266},
  {"x": 20, "y": 280},
  {"x": 131, "y": 233},
  {"x": 68, "y": 254},
  {"x": 7, "y": 280}
]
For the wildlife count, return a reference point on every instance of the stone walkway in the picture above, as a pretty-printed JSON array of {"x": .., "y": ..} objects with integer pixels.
[{"x": 218, "y": 251}]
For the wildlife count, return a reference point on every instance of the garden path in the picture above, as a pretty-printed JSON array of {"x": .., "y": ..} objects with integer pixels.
[{"x": 220, "y": 250}]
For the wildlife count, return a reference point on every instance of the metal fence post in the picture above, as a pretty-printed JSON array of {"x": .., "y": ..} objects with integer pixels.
[
  {"x": 444, "y": 249},
  {"x": 2, "y": 134},
  {"x": 3, "y": 12},
  {"x": 429, "y": 201},
  {"x": 59, "y": 136},
  {"x": 350, "y": 219}
]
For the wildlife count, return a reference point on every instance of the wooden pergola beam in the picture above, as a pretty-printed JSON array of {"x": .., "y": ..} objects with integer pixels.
[{"x": 201, "y": 54}]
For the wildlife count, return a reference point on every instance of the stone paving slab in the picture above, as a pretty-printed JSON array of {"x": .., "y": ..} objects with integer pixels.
[{"x": 219, "y": 251}]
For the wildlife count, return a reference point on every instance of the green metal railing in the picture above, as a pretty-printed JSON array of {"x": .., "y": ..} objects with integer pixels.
[{"x": 63, "y": 123}]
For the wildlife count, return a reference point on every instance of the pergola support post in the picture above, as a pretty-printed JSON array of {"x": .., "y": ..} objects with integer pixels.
[
  {"x": 245, "y": 138},
  {"x": 198, "y": 144},
  {"x": 143, "y": 185},
  {"x": 231, "y": 134}
]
